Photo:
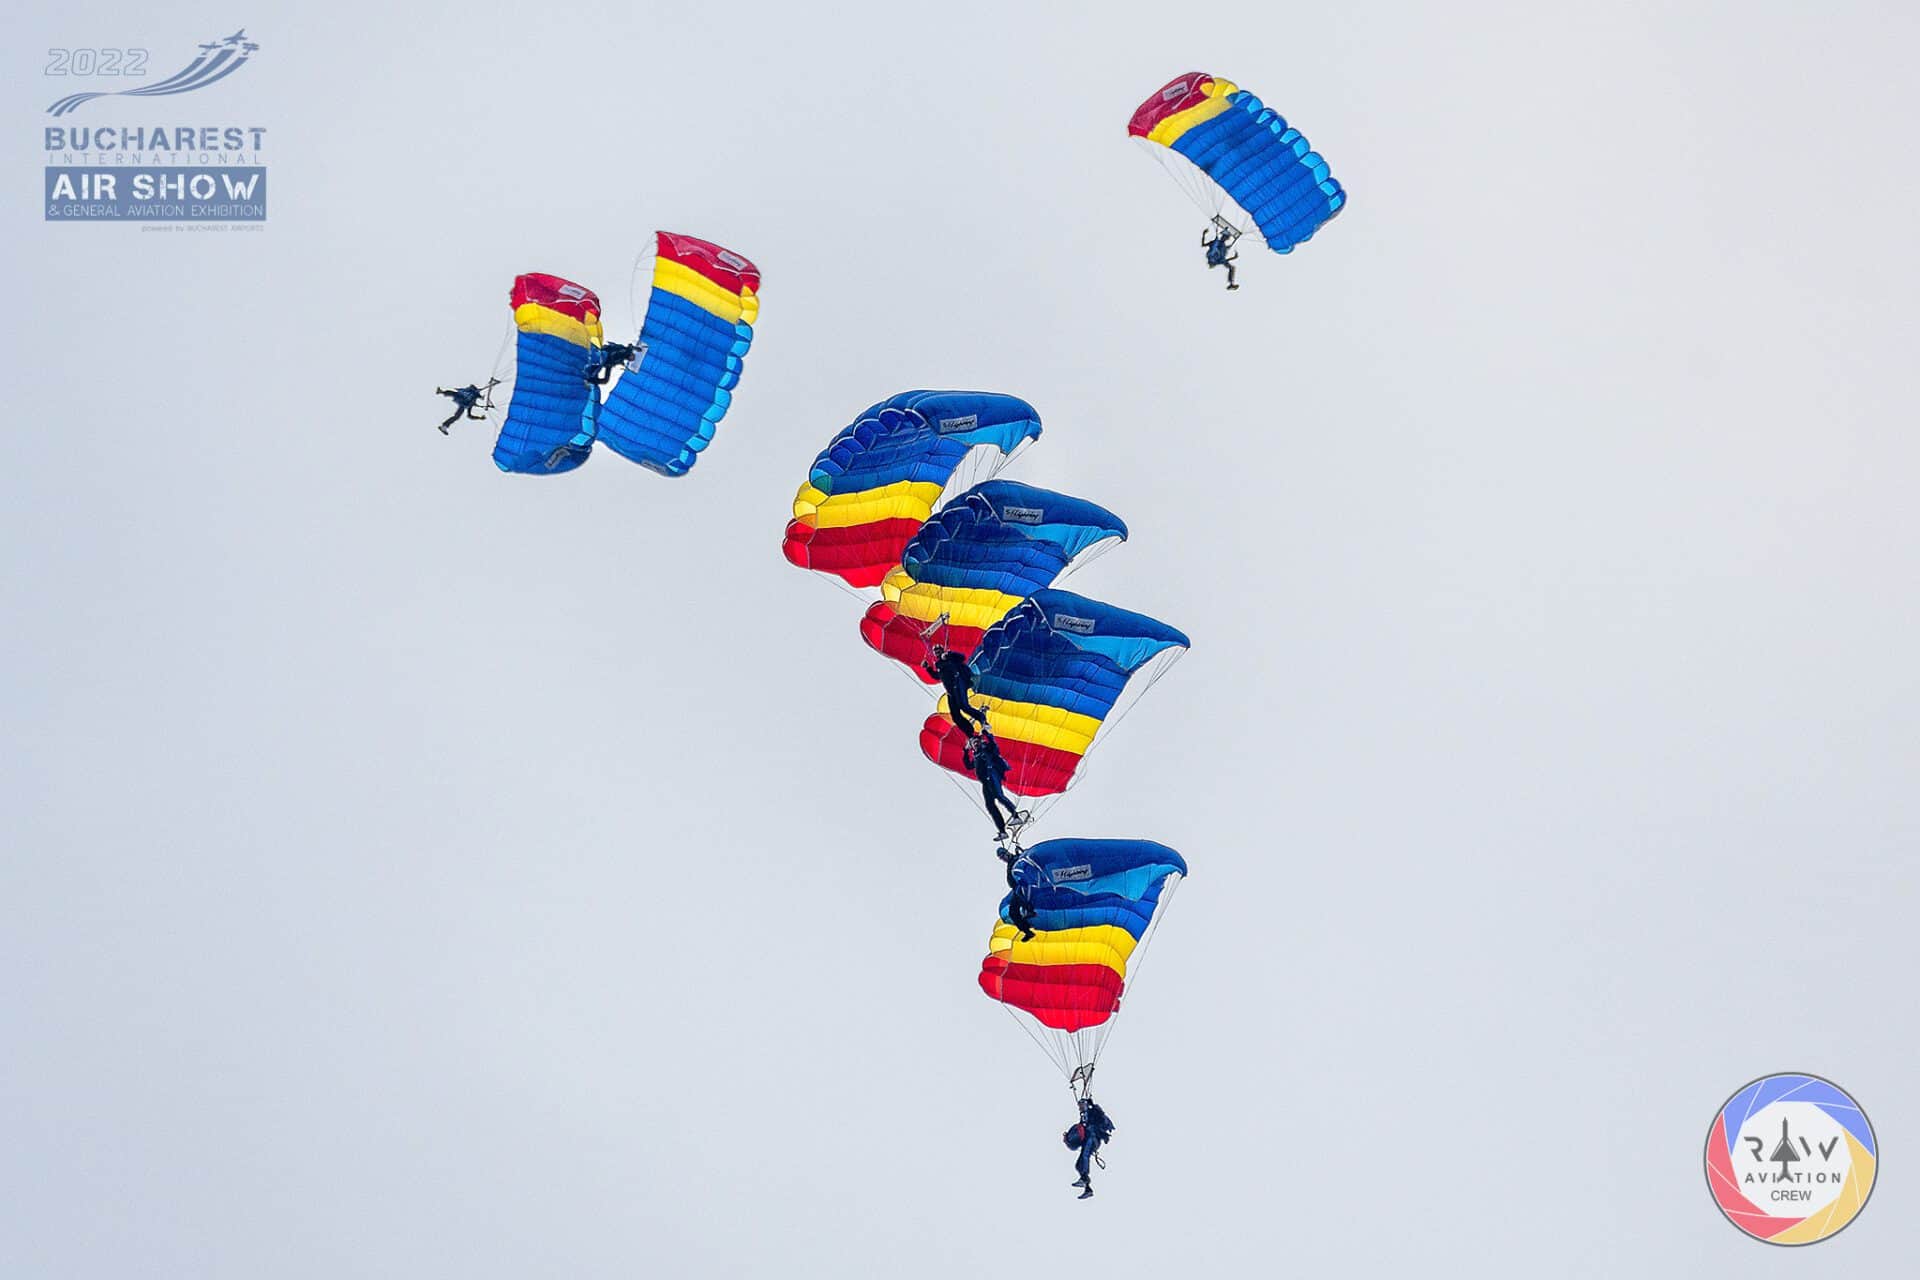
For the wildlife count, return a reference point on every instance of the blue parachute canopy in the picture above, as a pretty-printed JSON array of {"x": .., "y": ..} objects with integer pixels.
[
  {"x": 552, "y": 418},
  {"x": 699, "y": 325}
]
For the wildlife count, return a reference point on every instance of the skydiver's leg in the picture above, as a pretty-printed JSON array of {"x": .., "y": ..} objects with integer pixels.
[
  {"x": 965, "y": 713},
  {"x": 1230, "y": 272},
  {"x": 1000, "y": 796},
  {"x": 447, "y": 426},
  {"x": 993, "y": 811},
  {"x": 1083, "y": 1166}
]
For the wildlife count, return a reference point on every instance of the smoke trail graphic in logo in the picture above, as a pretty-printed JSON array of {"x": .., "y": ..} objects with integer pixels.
[{"x": 218, "y": 59}]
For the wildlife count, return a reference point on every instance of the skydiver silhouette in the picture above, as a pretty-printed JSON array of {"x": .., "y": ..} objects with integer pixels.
[
  {"x": 465, "y": 400},
  {"x": 1022, "y": 871},
  {"x": 1218, "y": 241},
  {"x": 1091, "y": 1132},
  {"x": 982, "y": 755},
  {"x": 956, "y": 677},
  {"x": 606, "y": 359}
]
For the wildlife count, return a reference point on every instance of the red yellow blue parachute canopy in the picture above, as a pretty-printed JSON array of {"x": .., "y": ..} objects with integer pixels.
[
  {"x": 1238, "y": 158},
  {"x": 1096, "y": 904},
  {"x": 699, "y": 324},
  {"x": 974, "y": 560},
  {"x": 877, "y": 481},
  {"x": 1050, "y": 676},
  {"x": 552, "y": 416}
]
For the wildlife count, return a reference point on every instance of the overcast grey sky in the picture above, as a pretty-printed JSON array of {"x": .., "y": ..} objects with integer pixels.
[{"x": 416, "y": 871}]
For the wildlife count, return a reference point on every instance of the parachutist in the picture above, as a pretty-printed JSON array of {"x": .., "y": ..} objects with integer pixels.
[
  {"x": 1021, "y": 871},
  {"x": 1223, "y": 144},
  {"x": 465, "y": 400},
  {"x": 951, "y": 670},
  {"x": 982, "y": 755},
  {"x": 1218, "y": 242},
  {"x": 1087, "y": 1135},
  {"x": 604, "y": 360}
]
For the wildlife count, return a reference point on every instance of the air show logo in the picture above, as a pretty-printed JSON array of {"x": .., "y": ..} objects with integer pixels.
[
  {"x": 218, "y": 59},
  {"x": 1791, "y": 1159},
  {"x": 124, "y": 165}
]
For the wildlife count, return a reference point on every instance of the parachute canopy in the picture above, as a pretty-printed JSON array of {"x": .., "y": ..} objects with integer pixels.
[
  {"x": 551, "y": 419},
  {"x": 875, "y": 484},
  {"x": 1048, "y": 676},
  {"x": 977, "y": 558},
  {"x": 698, "y": 327},
  {"x": 1095, "y": 904},
  {"x": 1221, "y": 143}
]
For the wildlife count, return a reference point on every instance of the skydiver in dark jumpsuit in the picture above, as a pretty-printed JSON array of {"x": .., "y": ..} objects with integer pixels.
[
  {"x": 606, "y": 359},
  {"x": 1093, "y": 1131},
  {"x": 956, "y": 677},
  {"x": 1218, "y": 242},
  {"x": 465, "y": 400},
  {"x": 1021, "y": 873},
  {"x": 982, "y": 755}
]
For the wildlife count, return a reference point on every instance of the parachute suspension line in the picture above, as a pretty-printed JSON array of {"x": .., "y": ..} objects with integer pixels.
[
  {"x": 1186, "y": 175},
  {"x": 1052, "y": 1048},
  {"x": 851, "y": 590},
  {"x": 504, "y": 371},
  {"x": 1200, "y": 188},
  {"x": 642, "y": 271},
  {"x": 1086, "y": 558},
  {"x": 1136, "y": 689},
  {"x": 1139, "y": 963},
  {"x": 977, "y": 465}
]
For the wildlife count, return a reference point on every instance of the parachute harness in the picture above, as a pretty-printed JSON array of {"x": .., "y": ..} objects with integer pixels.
[{"x": 1081, "y": 1083}]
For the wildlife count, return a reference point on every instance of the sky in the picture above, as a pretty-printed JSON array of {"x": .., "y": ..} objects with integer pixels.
[{"x": 413, "y": 870}]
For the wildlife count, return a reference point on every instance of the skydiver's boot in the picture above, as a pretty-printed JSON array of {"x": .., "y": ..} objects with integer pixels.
[
  {"x": 1080, "y": 1182},
  {"x": 1088, "y": 1193}
]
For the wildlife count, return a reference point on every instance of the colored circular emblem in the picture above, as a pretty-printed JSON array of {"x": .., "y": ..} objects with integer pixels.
[{"x": 1791, "y": 1159}]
